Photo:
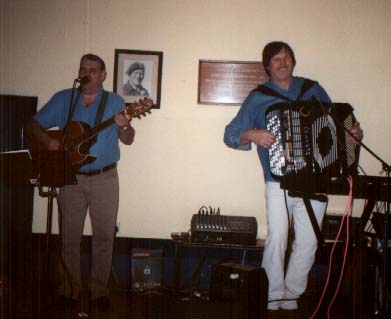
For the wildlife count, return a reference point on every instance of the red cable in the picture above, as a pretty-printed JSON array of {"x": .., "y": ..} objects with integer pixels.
[{"x": 346, "y": 213}]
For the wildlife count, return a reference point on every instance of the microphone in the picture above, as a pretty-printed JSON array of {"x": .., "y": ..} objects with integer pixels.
[{"x": 83, "y": 80}]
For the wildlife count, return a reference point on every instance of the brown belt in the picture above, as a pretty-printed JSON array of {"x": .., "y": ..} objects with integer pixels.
[{"x": 98, "y": 171}]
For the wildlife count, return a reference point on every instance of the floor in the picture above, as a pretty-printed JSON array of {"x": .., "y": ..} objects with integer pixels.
[
  {"x": 167, "y": 305},
  {"x": 355, "y": 299}
]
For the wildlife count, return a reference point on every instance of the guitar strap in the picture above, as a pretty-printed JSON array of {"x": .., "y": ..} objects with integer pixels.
[
  {"x": 99, "y": 114},
  {"x": 101, "y": 108}
]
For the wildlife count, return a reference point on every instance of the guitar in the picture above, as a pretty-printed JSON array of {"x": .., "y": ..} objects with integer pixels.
[{"x": 78, "y": 137}]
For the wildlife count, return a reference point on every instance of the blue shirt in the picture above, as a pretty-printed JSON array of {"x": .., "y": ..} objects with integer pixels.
[
  {"x": 55, "y": 113},
  {"x": 252, "y": 116}
]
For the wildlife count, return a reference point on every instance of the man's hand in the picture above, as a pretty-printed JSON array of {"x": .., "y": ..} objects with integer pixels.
[
  {"x": 262, "y": 138},
  {"x": 35, "y": 131},
  {"x": 53, "y": 144},
  {"x": 126, "y": 131},
  {"x": 122, "y": 119},
  {"x": 357, "y": 132}
]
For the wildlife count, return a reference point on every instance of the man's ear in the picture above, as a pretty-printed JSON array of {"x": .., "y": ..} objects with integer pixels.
[{"x": 104, "y": 74}]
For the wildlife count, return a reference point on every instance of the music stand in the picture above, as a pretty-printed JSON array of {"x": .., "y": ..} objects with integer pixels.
[
  {"x": 16, "y": 167},
  {"x": 52, "y": 169}
]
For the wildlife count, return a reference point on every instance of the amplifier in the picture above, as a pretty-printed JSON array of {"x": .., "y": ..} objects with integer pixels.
[
  {"x": 223, "y": 229},
  {"x": 239, "y": 291},
  {"x": 147, "y": 265}
]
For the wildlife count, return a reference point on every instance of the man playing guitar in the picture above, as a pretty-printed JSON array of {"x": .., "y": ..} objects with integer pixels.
[{"x": 97, "y": 187}]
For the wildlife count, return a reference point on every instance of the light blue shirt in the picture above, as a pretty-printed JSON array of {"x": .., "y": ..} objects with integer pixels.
[
  {"x": 56, "y": 111},
  {"x": 251, "y": 115}
]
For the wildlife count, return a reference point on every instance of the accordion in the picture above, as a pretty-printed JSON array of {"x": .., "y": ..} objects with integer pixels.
[{"x": 312, "y": 142}]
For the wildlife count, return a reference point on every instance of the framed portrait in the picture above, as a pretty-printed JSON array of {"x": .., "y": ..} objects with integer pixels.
[
  {"x": 228, "y": 82},
  {"x": 138, "y": 74}
]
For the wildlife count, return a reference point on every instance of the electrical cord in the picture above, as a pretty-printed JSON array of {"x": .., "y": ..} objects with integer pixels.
[{"x": 345, "y": 219}]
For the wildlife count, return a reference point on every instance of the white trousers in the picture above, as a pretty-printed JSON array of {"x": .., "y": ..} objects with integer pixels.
[{"x": 304, "y": 246}]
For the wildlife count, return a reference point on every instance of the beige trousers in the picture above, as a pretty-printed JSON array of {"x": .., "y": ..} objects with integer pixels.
[{"x": 99, "y": 195}]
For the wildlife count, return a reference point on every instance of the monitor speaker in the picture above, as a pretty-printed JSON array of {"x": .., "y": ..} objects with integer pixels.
[{"x": 239, "y": 291}]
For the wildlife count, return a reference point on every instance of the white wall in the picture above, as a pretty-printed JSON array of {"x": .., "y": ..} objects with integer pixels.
[{"x": 178, "y": 162}]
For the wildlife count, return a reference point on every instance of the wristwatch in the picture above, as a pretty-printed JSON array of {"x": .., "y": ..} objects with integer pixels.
[{"x": 125, "y": 127}]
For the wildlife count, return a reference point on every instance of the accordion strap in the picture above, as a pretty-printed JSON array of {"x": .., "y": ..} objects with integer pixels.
[{"x": 306, "y": 86}]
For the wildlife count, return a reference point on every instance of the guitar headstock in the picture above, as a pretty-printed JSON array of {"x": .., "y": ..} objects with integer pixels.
[{"x": 139, "y": 108}]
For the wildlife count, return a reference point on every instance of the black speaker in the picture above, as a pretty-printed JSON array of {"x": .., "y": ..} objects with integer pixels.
[
  {"x": 332, "y": 223},
  {"x": 239, "y": 291},
  {"x": 146, "y": 269},
  {"x": 16, "y": 206},
  {"x": 378, "y": 220}
]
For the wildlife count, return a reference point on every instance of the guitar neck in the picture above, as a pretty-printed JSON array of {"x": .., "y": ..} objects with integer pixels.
[
  {"x": 134, "y": 110},
  {"x": 96, "y": 129}
]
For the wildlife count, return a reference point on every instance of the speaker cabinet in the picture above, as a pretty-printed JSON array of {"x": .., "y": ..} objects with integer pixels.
[
  {"x": 16, "y": 207},
  {"x": 146, "y": 269},
  {"x": 239, "y": 291}
]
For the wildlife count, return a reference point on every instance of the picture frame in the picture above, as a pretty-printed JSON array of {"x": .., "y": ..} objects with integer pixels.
[
  {"x": 228, "y": 82},
  {"x": 138, "y": 74}
]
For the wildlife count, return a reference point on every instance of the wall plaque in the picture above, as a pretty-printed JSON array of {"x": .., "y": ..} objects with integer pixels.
[{"x": 228, "y": 82}]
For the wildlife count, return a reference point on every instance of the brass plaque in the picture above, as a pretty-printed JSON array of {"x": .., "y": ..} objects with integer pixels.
[{"x": 228, "y": 82}]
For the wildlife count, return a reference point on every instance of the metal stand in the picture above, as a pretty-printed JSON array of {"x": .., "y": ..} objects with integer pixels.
[
  {"x": 384, "y": 311},
  {"x": 385, "y": 305},
  {"x": 385, "y": 302},
  {"x": 51, "y": 193}
]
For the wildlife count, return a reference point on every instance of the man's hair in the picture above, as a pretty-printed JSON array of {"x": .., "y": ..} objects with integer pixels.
[
  {"x": 273, "y": 48},
  {"x": 95, "y": 58}
]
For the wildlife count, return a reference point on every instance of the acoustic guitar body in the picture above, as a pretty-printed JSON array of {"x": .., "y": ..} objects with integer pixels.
[
  {"x": 57, "y": 168},
  {"x": 78, "y": 142}
]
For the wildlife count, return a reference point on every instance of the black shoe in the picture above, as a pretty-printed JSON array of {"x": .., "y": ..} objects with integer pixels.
[
  {"x": 290, "y": 314},
  {"x": 102, "y": 304},
  {"x": 65, "y": 302},
  {"x": 96, "y": 308},
  {"x": 273, "y": 314},
  {"x": 85, "y": 304},
  {"x": 66, "y": 307}
]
